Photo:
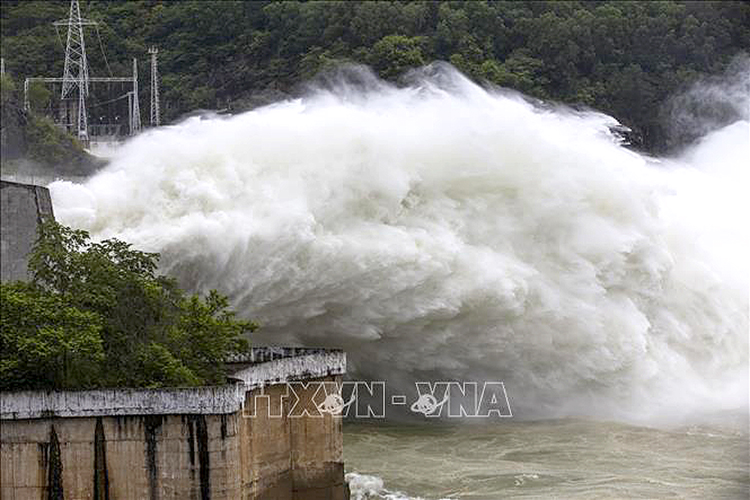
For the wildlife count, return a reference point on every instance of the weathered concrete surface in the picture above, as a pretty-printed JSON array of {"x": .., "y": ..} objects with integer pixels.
[
  {"x": 267, "y": 447},
  {"x": 22, "y": 206},
  {"x": 263, "y": 366},
  {"x": 290, "y": 454},
  {"x": 303, "y": 364},
  {"x": 120, "y": 402},
  {"x": 165, "y": 456}
]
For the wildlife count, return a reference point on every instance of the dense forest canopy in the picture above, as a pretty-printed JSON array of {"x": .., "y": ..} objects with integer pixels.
[
  {"x": 625, "y": 58},
  {"x": 97, "y": 314}
]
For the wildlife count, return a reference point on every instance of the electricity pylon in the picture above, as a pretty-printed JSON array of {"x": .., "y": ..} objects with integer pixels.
[
  {"x": 76, "y": 70},
  {"x": 155, "y": 114},
  {"x": 135, "y": 112}
]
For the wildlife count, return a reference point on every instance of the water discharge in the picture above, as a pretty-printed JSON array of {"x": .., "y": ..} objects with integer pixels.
[{"x": 445, "y": 231}]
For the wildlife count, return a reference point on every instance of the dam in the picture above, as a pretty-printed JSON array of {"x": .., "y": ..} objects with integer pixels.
[
  {"x": 22, "y": 207},
  {"x": 223, "y": 442},
  {"x": 239, "y": 440}
]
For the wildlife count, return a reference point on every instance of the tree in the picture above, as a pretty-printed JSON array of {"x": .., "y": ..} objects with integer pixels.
[
  {"x": 7, "y": 88},
  {"x": 49, "y": 144},
  {"x": 98, "y": 315},
  {"x": 39, "y": 96},
  {"x": 394, "y": 54},
  {"x": 45, "y": 342},
  {"x": 215, "y": 52},
  {"x": 523, "y": 72}
]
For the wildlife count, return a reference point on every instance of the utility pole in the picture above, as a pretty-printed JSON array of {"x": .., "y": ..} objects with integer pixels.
[
  {"x": 135, "y": 109},
  {"x": 76, "y": 71},
  {"x": 2, "y": 129},
  {"x": 26, "y": 105},
  {"x": 155, "y": 115},
  {"x": 130, "y": 112}
]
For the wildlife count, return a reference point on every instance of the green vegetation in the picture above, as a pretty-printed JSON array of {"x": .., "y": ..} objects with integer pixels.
[
  {"x": 49, "y": 144},
  {"x": 98, "y": 315},
  {"x": 39, "y": 96},
  {"x": 625, "y": 58},
  {"x": 34, "y": 139},
  {"x": 7, "y": 89}
]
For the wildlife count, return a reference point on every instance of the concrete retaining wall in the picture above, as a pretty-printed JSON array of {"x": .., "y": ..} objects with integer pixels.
[{"x": 238, "y": 441}]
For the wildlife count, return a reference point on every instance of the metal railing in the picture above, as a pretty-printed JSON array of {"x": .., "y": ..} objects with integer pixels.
[{"x": 270, "y": 353}]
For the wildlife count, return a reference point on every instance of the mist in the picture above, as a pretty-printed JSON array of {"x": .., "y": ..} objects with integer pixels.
[{"x": 443, "y": 231}]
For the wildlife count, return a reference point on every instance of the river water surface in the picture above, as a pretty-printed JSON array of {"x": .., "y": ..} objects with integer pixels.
[{"x": 575, "y": 459}]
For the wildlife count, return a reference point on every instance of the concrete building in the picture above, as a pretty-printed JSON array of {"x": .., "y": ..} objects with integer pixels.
[
  {"x": 260, "y": 437},
  {"x": 22, "y": 207}
]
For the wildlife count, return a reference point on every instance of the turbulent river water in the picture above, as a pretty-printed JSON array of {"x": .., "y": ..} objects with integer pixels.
[
  {"x": 571, "y": 459},
  {"x": 444, "y": 231}
]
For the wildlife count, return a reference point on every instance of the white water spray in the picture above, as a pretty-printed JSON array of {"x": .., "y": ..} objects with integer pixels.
[{"x": 442, "y": 231}]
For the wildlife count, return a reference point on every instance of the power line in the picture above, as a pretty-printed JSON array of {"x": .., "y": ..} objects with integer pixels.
[
  {"x": 59, "y": 38},
  {"x": 76, "y": 77},
  {"x": 123, "y": 96},
  {"x": 104, "y": 54}
]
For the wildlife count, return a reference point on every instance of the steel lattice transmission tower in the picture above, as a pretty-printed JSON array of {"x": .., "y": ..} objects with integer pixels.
[
  {"x": 135, "y": 111},
  {"x": 76, "y": 71},
  {"x": 155, "y": 114}
]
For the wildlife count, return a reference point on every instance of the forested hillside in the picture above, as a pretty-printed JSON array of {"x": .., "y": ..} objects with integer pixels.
[{"x": 625, "y": 58}]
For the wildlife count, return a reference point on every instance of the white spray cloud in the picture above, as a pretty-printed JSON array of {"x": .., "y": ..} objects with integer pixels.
[
  {"x": 443, "y": 231},
  {"x": 710, "y": 103}
]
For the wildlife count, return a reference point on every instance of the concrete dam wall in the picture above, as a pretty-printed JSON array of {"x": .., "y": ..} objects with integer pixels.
[
  {"x": 252, "y": 439},
  {"x": 22, "y": 207}
]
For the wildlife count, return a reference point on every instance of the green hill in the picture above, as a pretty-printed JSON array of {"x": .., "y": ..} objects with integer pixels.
[
  {"x": 625, "y": 58},
  {"x": 33, "y": 145}
]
